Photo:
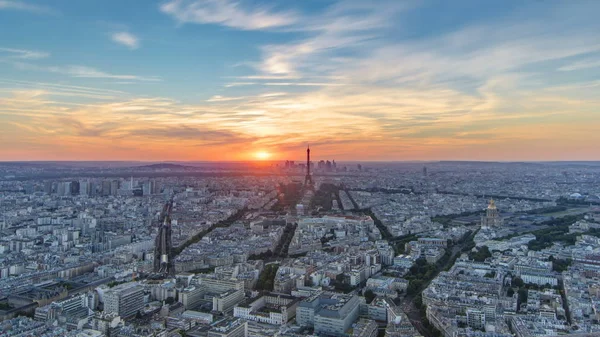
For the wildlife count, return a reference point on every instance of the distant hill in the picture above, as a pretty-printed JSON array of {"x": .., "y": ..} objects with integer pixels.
[{"x": 164, "y": 166}]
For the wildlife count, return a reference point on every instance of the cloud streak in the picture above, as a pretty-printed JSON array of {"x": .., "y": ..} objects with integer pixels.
[
  {"x": 25, "y": 7},
  {"x": 585, "y": 64},
  {"x": 24, "y": 54},
  {"x": 78, "y": 71}
]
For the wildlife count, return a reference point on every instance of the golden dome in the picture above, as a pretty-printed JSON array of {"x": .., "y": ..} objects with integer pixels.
[{"x": 492, "y": 204}]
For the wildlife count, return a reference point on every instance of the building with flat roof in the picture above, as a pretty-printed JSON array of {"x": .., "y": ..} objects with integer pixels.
[
  {"x": 124, "y": 300},
  {"x": 276, "y": 309},
  {"x": 191, "y": 297},
  {"x": 224, "y": 302},
  {"x": 197, "y": 316},
  {"x": 365, "y": 328},
  {"x": 234, "y": 327},
  {"x": 328, "y": 313}
]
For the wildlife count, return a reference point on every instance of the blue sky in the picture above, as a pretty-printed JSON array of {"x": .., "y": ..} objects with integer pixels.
[{"x": 223, "y": 79}]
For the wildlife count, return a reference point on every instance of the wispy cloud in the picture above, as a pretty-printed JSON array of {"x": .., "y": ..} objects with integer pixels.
[
  {"x": 303, "y": 84},
  {"x": 345, "y": 27},
  {"x": 83, "y": 72},
  {"x": 239, "y": 84},
  {"x": 228, "y": 13},
  {"x": 24, "y": 54},
  {"x": 584, "y": 64},
  {"x": 61, "y": 87},
  {"x": 26, "y": 7},
  {"x": 218, "y": 98},
  {"x": 127, "y": 39}
]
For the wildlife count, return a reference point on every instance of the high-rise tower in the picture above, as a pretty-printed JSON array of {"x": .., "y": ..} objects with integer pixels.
[
  {"x": 308, "y": 179},
  {"x": 163, "y": 250}
]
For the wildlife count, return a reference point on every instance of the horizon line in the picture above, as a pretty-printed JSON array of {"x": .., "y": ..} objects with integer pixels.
[{"x": 301, "y": 160}]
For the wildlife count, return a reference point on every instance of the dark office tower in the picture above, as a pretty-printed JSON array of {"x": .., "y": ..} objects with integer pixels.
[
  {"x": 114, "y": 187},
  {"x": 48, "y": 187},
  {"x": 359, "y": 166},
  {"x": 93, "y": 186},
  {"x": 425, "y": 171},
  {"x": 163, "y": 252},
  {"x": 74, "y": 187},
  {"x": 308, "y": 179},
  {"x": 328, "y": 166},
  {"x": 106, "y": 188}
]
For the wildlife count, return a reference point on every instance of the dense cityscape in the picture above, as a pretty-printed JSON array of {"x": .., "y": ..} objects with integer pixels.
[
  {"x": 313, "y": 168},
  {"x": 300, "y": 249}
]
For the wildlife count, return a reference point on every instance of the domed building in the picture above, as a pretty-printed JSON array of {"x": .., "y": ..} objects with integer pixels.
[{"x": 492, "y": 217}]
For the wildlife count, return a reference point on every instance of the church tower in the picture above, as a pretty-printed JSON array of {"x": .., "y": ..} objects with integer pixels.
[{"x": 492, "y": 216}]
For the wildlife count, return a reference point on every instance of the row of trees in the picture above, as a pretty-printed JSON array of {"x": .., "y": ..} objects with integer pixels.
[
  {"x": 558, "y": 231},
  {"x": 422, "y": 272},
  {"x": 560, "y": 265},
  {"x": 399, "y": 242},
  {"x": 385, "y": 232},
  {"x": 518, "y": 283},
  {"x": 281, "y": 250},
  {"x": 433, "y": 331},
  {"x": 324, "y": 197},
  {"x": 576, "y": 202},
  {"x": 289, "y": 195},
  {"x": 266, "y": 278},
  {"x": 545, "y": 210},
  {"x": 494, "y": 196},
  {"x": 447, "y": 219},
  {"x": 402, "y": 190},
  {"x": 223, "y": 223}
]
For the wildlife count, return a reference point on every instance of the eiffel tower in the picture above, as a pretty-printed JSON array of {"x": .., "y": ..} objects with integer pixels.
[{"x": 308, "y": 182}]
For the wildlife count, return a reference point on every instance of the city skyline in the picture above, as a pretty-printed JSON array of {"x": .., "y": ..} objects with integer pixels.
[{"x": 184, "y": 80}]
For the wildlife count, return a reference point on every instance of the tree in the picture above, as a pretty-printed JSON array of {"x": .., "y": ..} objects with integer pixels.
[
  {"x": 510, "y": 292},
  {"x": 369, "y": 296},
  {"x": 560, "y": 265},
  {"x": 522, "y": 295},
  {"x": 482, "y": 253},
  {"x": 517, "y": 282}
]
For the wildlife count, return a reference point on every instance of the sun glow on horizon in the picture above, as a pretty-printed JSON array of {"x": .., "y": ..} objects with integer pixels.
[{"x": 262, "y": 155}]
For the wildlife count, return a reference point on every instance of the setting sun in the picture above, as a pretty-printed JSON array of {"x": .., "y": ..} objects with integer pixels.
[{"x": 262, "y": 155}]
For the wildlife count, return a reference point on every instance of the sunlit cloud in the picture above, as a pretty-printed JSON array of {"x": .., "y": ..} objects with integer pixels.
[
  {"x": 127, "y": 39},
  {"x": 228, "y": 13},
  {"x": 218, "y": 98},
  {"x": 302, "y": 84}
]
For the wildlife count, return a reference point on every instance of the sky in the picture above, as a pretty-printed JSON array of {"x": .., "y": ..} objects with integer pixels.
[{"x": 229, "y": 80}]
